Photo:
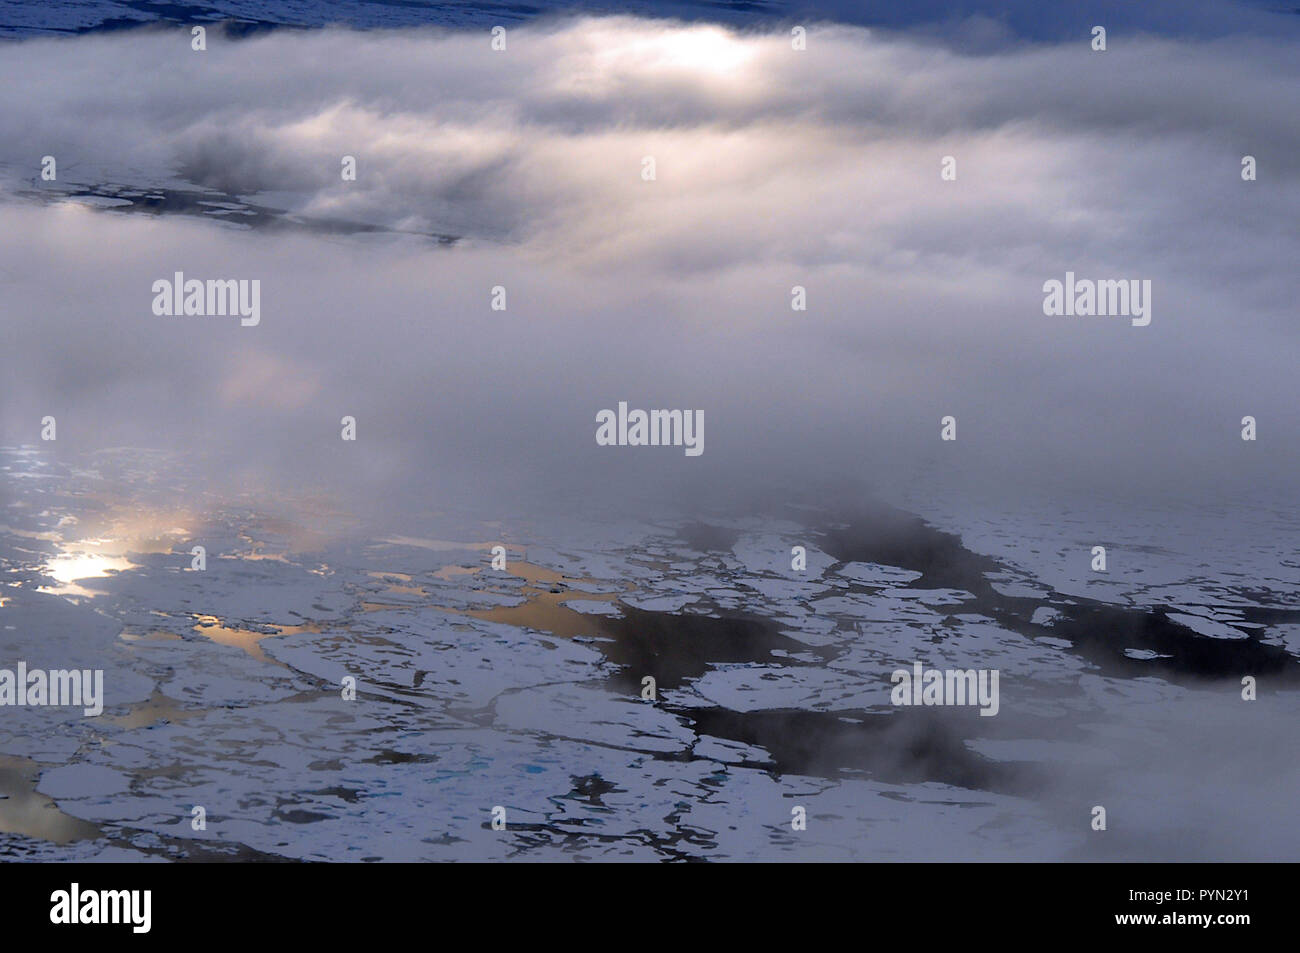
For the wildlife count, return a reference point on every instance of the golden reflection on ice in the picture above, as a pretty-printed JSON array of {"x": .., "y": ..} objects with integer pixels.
[
  {"x": 24, "y": 810},
  {"x": 70, "y": 568},
  {"x": 247, "y": 640},
  {"x": 102, "y": 555},
  {"x": 545, "y": 591}
]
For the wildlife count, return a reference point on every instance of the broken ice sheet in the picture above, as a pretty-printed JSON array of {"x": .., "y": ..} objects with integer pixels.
[{"x": 523, "y": 689}]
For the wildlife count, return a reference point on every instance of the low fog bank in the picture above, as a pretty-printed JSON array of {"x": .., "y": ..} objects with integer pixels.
[{"x": 1184, "y": 776}]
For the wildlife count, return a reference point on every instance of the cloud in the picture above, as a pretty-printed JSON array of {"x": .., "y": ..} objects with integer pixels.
[{"x": 774, "y": 168}]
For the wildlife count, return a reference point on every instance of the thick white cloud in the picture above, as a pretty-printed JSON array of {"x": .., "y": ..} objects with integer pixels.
[{"x": 774, "y": 168}]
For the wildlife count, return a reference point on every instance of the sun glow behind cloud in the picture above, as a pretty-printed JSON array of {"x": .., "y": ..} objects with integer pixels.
[{"x": 706, "y": 50}]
